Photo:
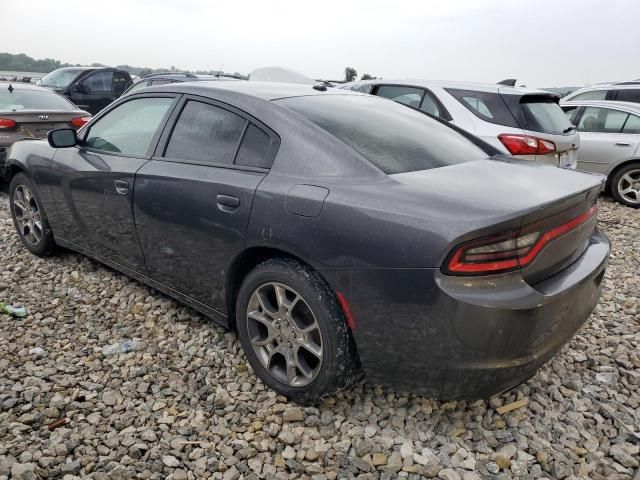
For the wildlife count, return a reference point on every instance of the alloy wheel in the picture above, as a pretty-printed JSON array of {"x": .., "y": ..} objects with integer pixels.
[
  {"x": 629, "y": 186},
  {"x": 27, "y": 215},
  {"x": 284, "y": 334}
]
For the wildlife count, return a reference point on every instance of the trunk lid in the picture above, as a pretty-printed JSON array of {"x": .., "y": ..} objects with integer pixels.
[
  {"x": 519, "y": 193},
  {"x": 36, "y": 123}
]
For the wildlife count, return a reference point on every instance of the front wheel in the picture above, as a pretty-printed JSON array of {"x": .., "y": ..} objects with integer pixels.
[
  {"x": 625, "y": 185},
  {"x": 293, "y": 331},
  {"x": 29, "y": 217}
]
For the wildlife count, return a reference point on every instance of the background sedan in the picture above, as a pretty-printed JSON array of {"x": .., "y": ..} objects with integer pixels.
[
  {"x": 610, "y": 144},
  {"x": 27, "y": 111}
]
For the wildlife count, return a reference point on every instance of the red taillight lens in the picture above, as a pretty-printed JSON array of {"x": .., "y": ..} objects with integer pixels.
[
  {"x": 80, "y": 121},
  {"x": 7, "y": 123},
  {"x": 526, "y": 144},
  {"x": 509, "y": 250}
]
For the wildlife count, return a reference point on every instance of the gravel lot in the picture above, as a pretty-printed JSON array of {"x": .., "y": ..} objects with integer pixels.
[{"x": 185, "y": 404}]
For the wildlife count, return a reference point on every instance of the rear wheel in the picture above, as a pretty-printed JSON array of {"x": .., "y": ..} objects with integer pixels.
[
  {"x": 625, "y": 185},
  {"x": 293, "y": 331},
  {"x": 29, "y": 217}
]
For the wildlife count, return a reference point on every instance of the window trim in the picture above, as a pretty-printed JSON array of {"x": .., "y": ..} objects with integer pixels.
[
  {"x": 161, "y": 147},
  {"x": 156, "y": 136},
  {"x": 443, "y": 110}
]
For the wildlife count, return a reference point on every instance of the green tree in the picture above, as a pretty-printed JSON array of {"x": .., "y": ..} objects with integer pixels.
[
  {"x": 350, "y": 74},
  {"x": 366, "y": 76}
]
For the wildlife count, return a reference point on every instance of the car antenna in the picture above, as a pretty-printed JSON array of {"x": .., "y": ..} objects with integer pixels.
[
  {"x": 10, "y": 88},
  {"x": 219, "y": 70}
]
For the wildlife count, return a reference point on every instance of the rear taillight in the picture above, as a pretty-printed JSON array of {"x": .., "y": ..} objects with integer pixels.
[
  {"x": 510, "y": 250},
  {"x": 526, "y": 144},
  {"x": 80, "y": 121},
  {"x": 7, "y": 123}
]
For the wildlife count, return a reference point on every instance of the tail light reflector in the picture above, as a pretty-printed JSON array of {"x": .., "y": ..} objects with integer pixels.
[
  {"x": 7, "y": 123},
  {"x": 526, "y": 144},
  {"x": 80, "y": 121},
  {"x": 510, "y": 250}
]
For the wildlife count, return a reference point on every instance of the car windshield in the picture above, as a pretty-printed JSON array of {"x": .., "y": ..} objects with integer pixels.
[
  {"x": 59, "y": 78},
  {"x": 32, "y": 99},
  {"x": 546, "y": 116},
  {"x": 394, "y": 138}
]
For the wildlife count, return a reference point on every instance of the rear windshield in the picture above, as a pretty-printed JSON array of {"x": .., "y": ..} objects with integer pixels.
[
  {"x": 27, "y": 99},
  {"x": 394, "y": 138},
  {"x": 545, "y": 115},
  {"x": 59, "y": 78}
]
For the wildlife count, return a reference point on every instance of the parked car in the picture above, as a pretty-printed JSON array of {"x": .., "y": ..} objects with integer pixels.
[
  {"x": 173, "y": 77},
  {"x": 90, "y": 88},
  {"x": 617, "y": 91},
  {"x": 330, "y": 229},
  {"x": 27, "y": 111},
  {"x": 523, "y": 122},
  {"x": 610, "y": 144}
]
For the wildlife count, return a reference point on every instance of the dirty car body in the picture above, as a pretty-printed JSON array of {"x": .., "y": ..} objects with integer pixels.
[{"x": 415, "y": 243}]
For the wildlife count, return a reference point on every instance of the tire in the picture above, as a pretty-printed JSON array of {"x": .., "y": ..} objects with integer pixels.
[
  {"x": 39, "y": 240},
  {"x": 627, "y": 176},
  {"x": 315, "y": 378}
]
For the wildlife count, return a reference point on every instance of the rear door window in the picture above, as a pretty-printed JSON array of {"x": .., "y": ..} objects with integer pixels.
[
  {"x": 603, "y": 120},
  {"x": 392, "y": 137},
  {"x": 120, "y": 81},
  {"x": 569, "y": 112},
  {"x": 628, "y": 95},
  {"x": 205, "y": 133},
  {"x": 487, "y": 106}
]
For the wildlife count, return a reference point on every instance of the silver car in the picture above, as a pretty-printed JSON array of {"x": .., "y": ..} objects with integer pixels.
[
  {"x": 610, "y": 144},
  {"x": 618, "y": 91},
  {"x": 526, "y": 123}
]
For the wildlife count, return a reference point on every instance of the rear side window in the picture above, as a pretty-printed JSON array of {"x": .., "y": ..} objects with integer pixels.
[
  {"x": 485, "y": 105},
  {"x": 544, "y": 115},
  {"x": 255, "y": 149},
  {"x": 628, "y": 95},
  {"x": 99, "y": 82},
  {"x": 407, "y": 95},
  {"x": 120, "y": 82},
  {"x": 592, "y": 95},
  {"x": 632, "y": 125},
  {"x": 394, "y": 138},
  {"x": 205, "y": 133}
]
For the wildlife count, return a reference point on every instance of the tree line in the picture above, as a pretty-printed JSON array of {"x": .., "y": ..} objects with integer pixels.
[{"x": 24, "y": 63}]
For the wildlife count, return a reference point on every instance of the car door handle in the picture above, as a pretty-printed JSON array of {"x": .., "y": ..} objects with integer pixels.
[
  {"x": 122, "y": 186},
  {"x": 623, "y": 144},
  {"x": 227, "y": 203}
]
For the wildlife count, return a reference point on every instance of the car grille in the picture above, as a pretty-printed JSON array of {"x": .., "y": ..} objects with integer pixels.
[{"x": 40, "y": 129}]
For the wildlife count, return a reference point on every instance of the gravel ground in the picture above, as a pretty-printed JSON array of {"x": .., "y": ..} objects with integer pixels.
[{"x": 185, "y": 404}]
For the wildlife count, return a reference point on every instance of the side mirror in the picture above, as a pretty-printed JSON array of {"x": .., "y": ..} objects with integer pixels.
[
  {"x": 81, "y": 88},
  {"x": 62, "y": 138}
]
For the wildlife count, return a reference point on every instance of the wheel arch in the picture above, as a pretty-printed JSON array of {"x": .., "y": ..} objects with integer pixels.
[
  {"x": 615, "y": 170},
  {"x": 244, "y": 263}
]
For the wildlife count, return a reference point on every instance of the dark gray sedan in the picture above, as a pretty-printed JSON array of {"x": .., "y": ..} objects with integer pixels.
[
  {"x": 27, "y": 111},
  {"x": 334, "y": 231}
]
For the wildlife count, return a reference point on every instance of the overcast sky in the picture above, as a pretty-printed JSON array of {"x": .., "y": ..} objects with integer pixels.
[{"x": 540, "y": 42}]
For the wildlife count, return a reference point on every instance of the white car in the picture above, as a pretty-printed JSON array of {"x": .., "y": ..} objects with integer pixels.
[
  {"x": 618, "y": 91},
  {"x": 609, "y": 144},
  {"x": 524, "y": 122}
]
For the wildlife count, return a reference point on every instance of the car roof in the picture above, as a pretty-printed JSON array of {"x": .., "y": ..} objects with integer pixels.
[
  {"x": 477, "y": 86},
  {"x": 627, "y": 106},
  {"x": 632, "y": 84},
  {"x": 263, "y": 90}
]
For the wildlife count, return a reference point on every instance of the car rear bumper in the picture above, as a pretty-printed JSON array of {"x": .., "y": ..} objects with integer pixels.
[{"x": 461, "y": 337}]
